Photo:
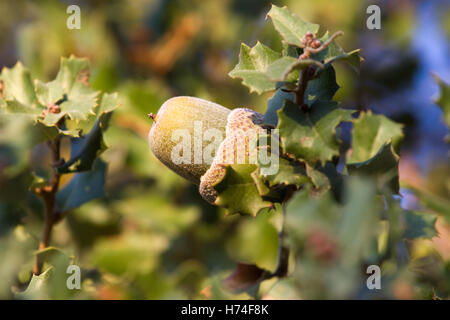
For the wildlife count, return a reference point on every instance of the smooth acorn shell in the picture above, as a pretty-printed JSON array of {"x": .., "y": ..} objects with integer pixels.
[{"x": 181, "y": 113}]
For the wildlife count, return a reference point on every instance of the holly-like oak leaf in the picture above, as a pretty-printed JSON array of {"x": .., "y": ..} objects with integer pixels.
[
  {"x": 333, "y": 52},
  {"x": 86, "y": 149},
  {"x": 290, "y": 26},
  {"x": 253, "y": 65},
  {"x": 290, "y": 172},
  {"x": 443, "y": 100},
  {"x": 370, "y": 132},
  {"x": 311, "y": 135},
  {"x": 238, "y": 192},
  {"x": 383, "y": 167}
]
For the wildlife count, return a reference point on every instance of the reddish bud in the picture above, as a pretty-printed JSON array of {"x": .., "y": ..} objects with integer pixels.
[{"x": 315, "y": 44}]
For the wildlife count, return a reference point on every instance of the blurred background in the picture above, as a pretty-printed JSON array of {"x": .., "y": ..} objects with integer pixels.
[{"x": 152, "y": 236}]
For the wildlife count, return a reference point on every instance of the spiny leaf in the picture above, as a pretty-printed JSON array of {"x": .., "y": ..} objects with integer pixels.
[
  {"x": 18, "y": 85},
  {"x": 319, "y": 179},
  {"x": 48, "y": 93},
  {"x": 16, "y": 107},
  {"x": 70, "y": 91},
  {"x": 83, "y": 187},
  {"x": 285, "y": 68},
  {"x": 252, "y": 67},
  {"x": 276, "y": 102},
  {"x": 383, "y": 167},
  {"x": 434, "y": 202},
  {"x": 72, "y": 70},
  {"x": 443, "y": 100},
  {"x": 68, "y": 95},
  {"x": 37, "y": 286},
  {"x": 335, "y": 53},
  {"x": 52, "y": 253},
  {"x": 87, "y": 148},
  {"x": 290, "y": 26},
  {"x": 419, "y": 225},
  {"x": 81, "y": 102},
  {"x": 238, "y": 192},
  {"x": 326, "y": 178},
  {"x": 370, "y": 132},
  {"x": 311, "y": 136},
  {"x": 323, "y": 87},
  {"x": 290, "y": 172}
]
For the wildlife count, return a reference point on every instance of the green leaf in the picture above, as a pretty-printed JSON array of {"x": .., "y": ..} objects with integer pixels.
[
  {"x": 86, "y": 149},
  {"x": 253, "y": 65},
  {"x": 263, "y": 187},
  {"x": 323, "y": 87},
  {"x": 276, "y": 102},
  {"x": 359, "y": 215},
  {"x": 37, "y": 286},
  {"x": 352, "y": 58},
  {"x": 255, "y": 241},
  {"x": 238, "y": 192},
  {"x": 335, "y": 53},
  {"x": 285, "y": 68},
  {"x": 16, "y": 107},
  {"x": 290, "y": 50},
  {"x": 319, "y": 179},
  {"x": 20, "y": 133},
  {"x": 50, "y": 254},
  {"x": 443, "y": 100},
  {"x": 70, "y": 91},
  {"x": 383, "y": 167},
  {"x": 278, "y": 70},
  {"x": 419, "y": 225},
  {"x": 18, "y": 85},
  {"x": 290, "y": 26},
  {"x": 352, "y": 224},
  {"x": 71, "y": 71},
  {"x": 131, "y": 253},
  {"x": 50, "y": 92},
  {"x": 326, "y": 178},
  {"x": 311, "y": 135},
  {"x": 370, "y": 132},
  {"x": 83, "y": 187},
  {"x": 290, "y": 172},
  {"x": 80, "y": 104},
  {"x": 432, "y": 201}
]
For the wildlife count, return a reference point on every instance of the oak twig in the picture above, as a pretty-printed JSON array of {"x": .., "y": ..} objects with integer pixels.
[{"x": 48, "y": 195}]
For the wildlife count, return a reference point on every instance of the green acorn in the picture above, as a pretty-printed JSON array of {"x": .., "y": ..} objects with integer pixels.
[{"x": 182, "y": 115}]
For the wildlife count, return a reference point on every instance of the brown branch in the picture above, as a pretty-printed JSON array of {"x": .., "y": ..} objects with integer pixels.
[
  {"x": 48, "y": 195},
  {"x": 301, "y": 88}
]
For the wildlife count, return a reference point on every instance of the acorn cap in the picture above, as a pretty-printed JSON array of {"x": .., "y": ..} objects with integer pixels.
[{"x": 242, "y": 125}]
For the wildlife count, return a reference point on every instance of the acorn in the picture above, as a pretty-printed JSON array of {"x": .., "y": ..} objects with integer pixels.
[{"x": 180, "y": 116}]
